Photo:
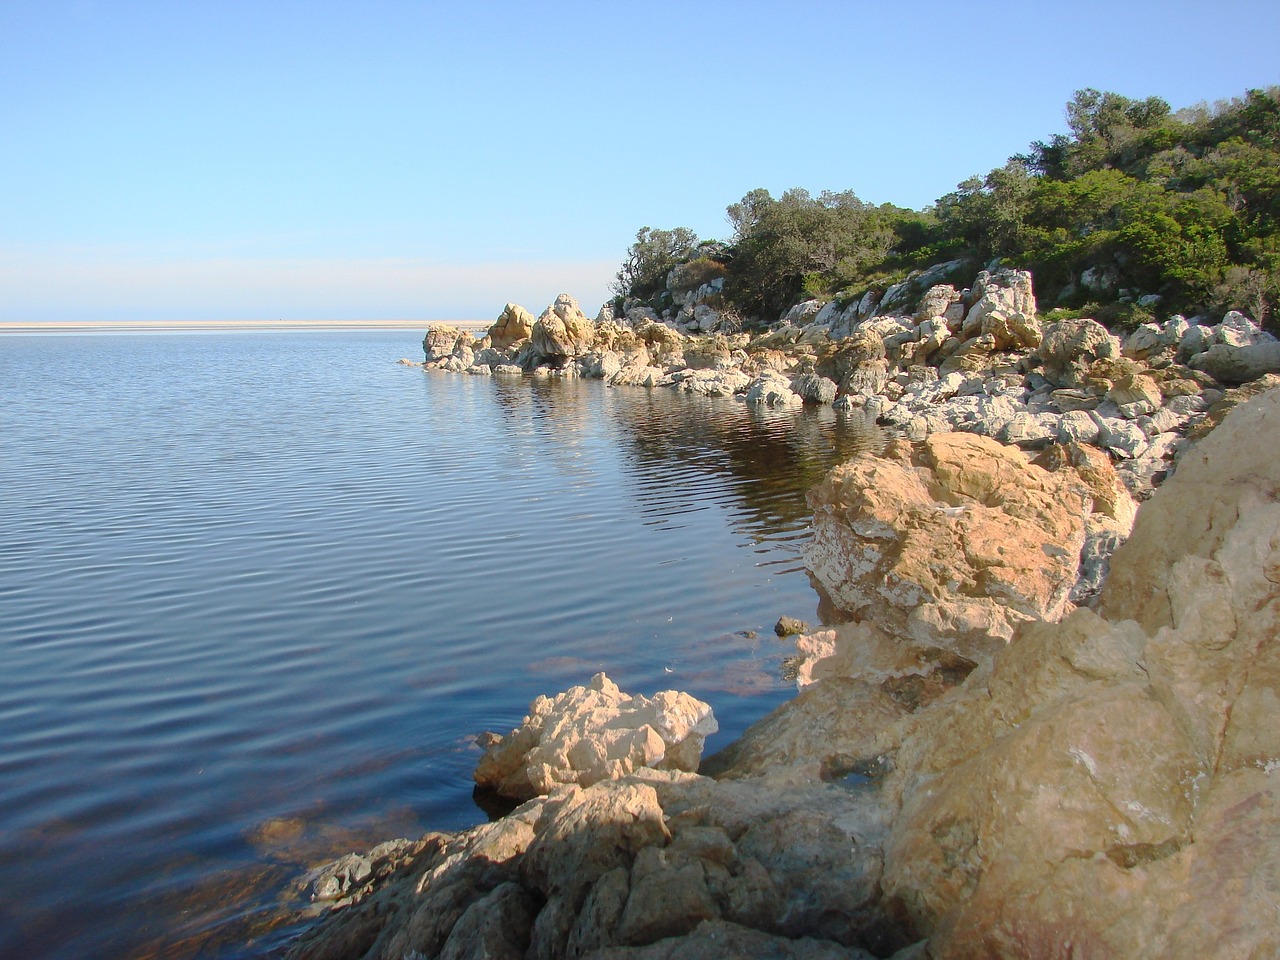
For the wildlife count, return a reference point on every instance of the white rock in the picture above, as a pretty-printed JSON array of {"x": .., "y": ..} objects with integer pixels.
[
  {"x": 1239, "y": 364},
  {"x": 1162, "y": 421},
  {"x": 814, "y": 388},
  {"x": 712, "y": 383},
  {"x": 1237, "y": 330},
  {"x": 772, "y": 389},
  {"x": 936, "y": 301},
  {"x": 803, "y": 314},
  {"x": 1122, "y": 437},
  {"x": 828, "y": 314},
  {"x": 706, "y": 319},
  {"x": 594, "y": 733},
  {"x": 1077, "y": 426},
  {"x": 1144, "y": 341},
  {"x": 1187, "y": 405},
  {"x": 1029, "y": 430}
]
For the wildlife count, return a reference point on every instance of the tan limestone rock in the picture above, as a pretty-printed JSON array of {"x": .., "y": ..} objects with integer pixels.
[
  {"x": 1004, "y": 306},
  {"x": 833, "y": 726},
  {"x": 1111, "y": 788},
  {"x": 440, "y": 341},
  {"x": 563, "y": 330},
  {"x": 1071, "y": 347},
  {"x": 936, "y": 301},
  {"x": 593, "y": 733},
  {"x": 591, "y": 832},
  {"x": 951, "y": 542},
  {"x": 1105, "y": 787},
  {"x": 514, "y": 324},
  {"x": 722, "y": 940}
]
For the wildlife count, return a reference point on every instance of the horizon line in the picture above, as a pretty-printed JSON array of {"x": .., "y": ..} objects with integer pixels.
[{"x": 103, "y": 326}]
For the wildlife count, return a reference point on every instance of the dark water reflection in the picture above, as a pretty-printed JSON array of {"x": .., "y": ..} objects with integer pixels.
[{"x": 259, "y": 592}]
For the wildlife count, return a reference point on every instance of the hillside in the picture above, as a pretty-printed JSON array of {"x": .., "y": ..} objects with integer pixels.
[{"x": 1138, "y": 213}]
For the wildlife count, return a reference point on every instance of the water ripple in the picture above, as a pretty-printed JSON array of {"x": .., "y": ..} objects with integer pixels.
[{"x": 250, "y": 578}]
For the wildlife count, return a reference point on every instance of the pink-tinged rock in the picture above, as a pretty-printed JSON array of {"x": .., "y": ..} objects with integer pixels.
[{"x": 953, "y": 541}]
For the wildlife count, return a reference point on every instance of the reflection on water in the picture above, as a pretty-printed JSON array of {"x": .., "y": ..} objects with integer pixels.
[
  {"x": 765, "y": 455},
  {"x": 258, "y": 592}
]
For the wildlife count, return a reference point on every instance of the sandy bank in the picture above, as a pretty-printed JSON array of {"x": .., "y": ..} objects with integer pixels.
[{"x": 219, "y": 326}]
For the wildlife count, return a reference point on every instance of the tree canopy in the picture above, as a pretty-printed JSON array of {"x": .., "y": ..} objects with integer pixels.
[{"x": 1136, "y": 198}]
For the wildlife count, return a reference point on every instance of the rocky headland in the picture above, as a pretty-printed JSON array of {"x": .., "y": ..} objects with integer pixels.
[
  {"x": 1042, "y": 720},
  {"x": 924, "y": 357}
]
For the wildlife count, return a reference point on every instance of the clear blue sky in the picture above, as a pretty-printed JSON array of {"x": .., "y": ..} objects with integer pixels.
[{"x": 343, "y": 159}]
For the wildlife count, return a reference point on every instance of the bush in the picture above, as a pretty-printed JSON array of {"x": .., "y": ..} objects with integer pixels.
[{"x": 693, "y": 274}]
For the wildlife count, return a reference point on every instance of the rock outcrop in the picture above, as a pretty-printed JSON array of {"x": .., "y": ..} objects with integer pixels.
[
  {"x": 562, "y": 332},
  {"x": 924, "y": 356},
  {"x": 953, "y": 541},
  {"x": 1106, "y": 785},
  {"x": 1115, "y": 782},
  {"x": 513, "y": 325},
  {"x": 592, "y": 733}
]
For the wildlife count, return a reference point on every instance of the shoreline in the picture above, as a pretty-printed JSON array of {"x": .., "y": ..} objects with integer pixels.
[
  {"x": 908, "y": 803},
  {"x": 1013, "y": 714}
]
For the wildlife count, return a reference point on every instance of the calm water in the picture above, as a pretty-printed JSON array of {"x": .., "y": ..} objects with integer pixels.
[{"x": 258, "y": 592}]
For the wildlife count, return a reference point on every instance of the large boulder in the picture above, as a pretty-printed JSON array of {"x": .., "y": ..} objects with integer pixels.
[
  {"x": 440, "y": 341},
  {"x": 664, "y": 343},
  {"x": 814, "y": 388},
  {"x": 936, "y": 302},
  {"x": 953, "y": 541},
  {"x": 1009, "y": 294},
  {"x": 563, "y": 331},
  {"x": 1070, "y": 348},
  {"x": 514, "y": 324},
  {"x": 593, "y": 733},
  {"x": 1112, "y": 787},
  {"x": 1232, "y": 364},
  {"x": 772, "y": 389}
]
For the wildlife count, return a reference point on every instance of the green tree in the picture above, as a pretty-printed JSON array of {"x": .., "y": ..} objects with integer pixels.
[
  {"x": 643, "y": 273},
  {"x": 987, "y": 215},
  {"x": 800, "y": 244}
]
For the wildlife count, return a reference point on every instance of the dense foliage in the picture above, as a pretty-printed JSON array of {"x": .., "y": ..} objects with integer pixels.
[{"x": 1137, "y": 199}]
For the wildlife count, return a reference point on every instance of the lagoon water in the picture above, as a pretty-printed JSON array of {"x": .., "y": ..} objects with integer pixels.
[{"x": 259, "y": 591}]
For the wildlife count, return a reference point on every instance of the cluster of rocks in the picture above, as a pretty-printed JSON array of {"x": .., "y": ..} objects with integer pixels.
[
  {"x": 925, "y": 360},
  {"x": 1104, "y": 785}
]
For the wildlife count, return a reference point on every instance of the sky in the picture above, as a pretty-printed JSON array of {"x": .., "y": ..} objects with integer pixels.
[{"x": 379, "y": 159}]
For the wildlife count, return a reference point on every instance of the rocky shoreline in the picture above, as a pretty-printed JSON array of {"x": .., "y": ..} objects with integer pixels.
[
  {"x": 1045, "y": 725},
  {"x": 925, "y": 357}
]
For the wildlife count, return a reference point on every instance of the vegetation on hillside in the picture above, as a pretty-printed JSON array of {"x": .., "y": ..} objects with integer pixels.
[{"x": 1137, "y": 199}]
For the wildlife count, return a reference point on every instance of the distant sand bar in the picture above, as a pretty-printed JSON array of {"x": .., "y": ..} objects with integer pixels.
[{"x": 215, "y": 326}]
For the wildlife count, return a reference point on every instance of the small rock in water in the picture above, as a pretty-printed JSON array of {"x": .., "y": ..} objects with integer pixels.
[{"x": 790, "y": 627}]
